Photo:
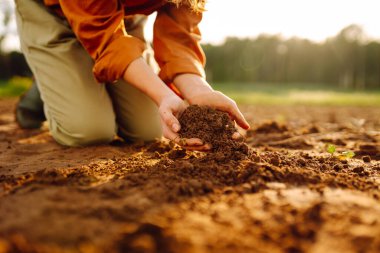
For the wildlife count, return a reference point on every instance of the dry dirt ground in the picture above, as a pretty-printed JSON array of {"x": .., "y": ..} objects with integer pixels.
[{"x": 287, "y": 194}]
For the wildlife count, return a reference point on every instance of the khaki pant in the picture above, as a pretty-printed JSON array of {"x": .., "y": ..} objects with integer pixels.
[{"x": 79, "y": 110}]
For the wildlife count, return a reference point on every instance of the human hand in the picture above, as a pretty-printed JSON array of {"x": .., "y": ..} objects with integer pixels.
[
  {"x": 219, "y": 101},
  {"x": 196, "y": 90},
  {"x": 169, "y": 110}
]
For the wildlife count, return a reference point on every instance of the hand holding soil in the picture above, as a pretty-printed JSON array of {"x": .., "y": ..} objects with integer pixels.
[
  {"x": 219, "y": 101},
  {"x": 171, "y": 108},
  {"x": 215, "y": 128}
]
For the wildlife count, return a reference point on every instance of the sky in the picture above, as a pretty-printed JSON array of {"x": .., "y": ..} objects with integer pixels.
[{"x": 312, "y": 19}]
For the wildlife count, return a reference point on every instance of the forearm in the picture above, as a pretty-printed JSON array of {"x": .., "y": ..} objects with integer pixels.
[
  {"x": 140, "y": 75},
  {"x": 191, "y": 85}
]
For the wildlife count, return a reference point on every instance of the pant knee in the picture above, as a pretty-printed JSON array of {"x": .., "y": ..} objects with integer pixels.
[
  {"x": 145, "y": 132},
  {"x": 87, "y": 133}
]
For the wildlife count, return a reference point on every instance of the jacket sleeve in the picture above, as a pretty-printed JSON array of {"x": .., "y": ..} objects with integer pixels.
[
  {"x": 176, "y": 42},
  {"x": 99, "y": 26}
]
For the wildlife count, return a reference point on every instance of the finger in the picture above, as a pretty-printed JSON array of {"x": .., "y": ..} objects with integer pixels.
[
  {"x": 169, "y": 134},
  {"x": 204, "y": 148},
  {"x": 238, "y": 117},
  {"x": 170, "y": 120},
  {"x": 237, "y": 136},
  {"x": 194, "y": 142}
]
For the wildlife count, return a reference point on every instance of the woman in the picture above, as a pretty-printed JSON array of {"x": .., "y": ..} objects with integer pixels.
[{"x": 94, "y": 70}]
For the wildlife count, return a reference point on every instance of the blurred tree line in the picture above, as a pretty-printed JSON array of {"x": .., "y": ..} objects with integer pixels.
[
  {"x": 346, "y": 60},
  {"x": 11, "y": 63}
]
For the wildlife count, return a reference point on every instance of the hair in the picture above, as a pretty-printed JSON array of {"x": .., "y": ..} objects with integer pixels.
[{"x": 195, "y": 5}]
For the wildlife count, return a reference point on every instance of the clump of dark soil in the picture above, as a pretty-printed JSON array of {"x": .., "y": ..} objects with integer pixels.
[
  {"x": 213, "y": 127},
  {"x": 271, "y": 127},
  {"x": 366, "y": 158}
]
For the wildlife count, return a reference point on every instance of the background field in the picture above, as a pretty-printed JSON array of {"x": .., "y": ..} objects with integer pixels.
[
  {"x": 257, "y": 93},
  {"x": 298, "y": 94},
  {"x": 14, "y": 87}
]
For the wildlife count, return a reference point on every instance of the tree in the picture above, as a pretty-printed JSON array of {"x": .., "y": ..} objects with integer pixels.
[
  {"x": 347, "y": 46},
  {"x": 346, "y": 60}
]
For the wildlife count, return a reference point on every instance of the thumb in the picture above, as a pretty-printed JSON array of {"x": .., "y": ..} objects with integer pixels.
[{"x": 170, "y": 120}]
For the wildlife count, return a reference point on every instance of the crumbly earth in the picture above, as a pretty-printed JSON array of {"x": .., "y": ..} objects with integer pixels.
[
  {"x": 283, "y": 194},
  {"x": 213, "y": 127}
]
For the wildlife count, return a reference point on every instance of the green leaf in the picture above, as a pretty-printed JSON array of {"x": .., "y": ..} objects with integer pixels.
[
  {"x": 348, "y": 154},
  {"x": 331, "y": 148}
]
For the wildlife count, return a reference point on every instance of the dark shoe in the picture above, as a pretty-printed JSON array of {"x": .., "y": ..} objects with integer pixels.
[{"x": 30, "y": 109}]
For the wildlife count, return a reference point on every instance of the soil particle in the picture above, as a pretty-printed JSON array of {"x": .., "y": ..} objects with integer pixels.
[
  {"x": 275, "y": 160},
  {"x": 337, "y": 142},
  {"x": 301, "y": 162},
  {"x": 368, "y": 149},
  {"x": 358, "y": 170},
  {"x": 177, "y": 153},
  {"x": 158, "y": 147},
  {"x": 337, "y": 167},
  {"x": 147, "y": 238},
  {"x": 366, "y": 158},
  {"x": 270, "y": 127},
  {"x": 313, "y": 130}
]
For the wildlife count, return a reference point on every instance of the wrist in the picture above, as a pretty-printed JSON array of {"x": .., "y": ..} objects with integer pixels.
[
  {"x": 166, "y": 96},
  {"x": 191, "y": 85}
]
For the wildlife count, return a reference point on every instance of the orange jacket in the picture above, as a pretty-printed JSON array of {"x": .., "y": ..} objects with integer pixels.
[{"x": 99, "y": 26}]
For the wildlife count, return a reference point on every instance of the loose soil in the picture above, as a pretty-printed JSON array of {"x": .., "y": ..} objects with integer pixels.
[
  {"x": 215, "y": 128},
  {"x": 282, "y": 192}
]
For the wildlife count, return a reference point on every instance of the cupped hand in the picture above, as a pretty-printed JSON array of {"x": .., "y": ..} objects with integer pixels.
[
  {"x": 169, "y": 110},
  {"x": 219, "y": 101}
]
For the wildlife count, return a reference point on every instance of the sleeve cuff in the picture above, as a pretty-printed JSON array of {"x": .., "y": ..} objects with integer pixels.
[
  {"x": 181, "y": 66},
  {"x": 112, "y": 63}
]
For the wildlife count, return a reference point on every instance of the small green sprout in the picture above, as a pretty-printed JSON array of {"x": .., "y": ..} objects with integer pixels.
[
  {"x": 347, "y": 155},
  {"x": 331, "y": 149}
]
